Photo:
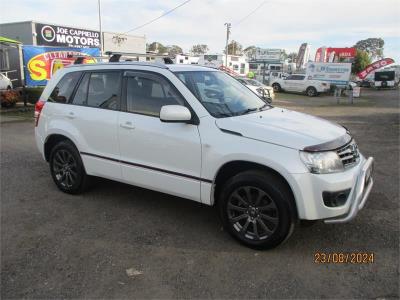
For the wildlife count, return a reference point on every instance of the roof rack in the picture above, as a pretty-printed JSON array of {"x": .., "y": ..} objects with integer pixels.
[
  {"x": 114, "y": 57},
  {"x": 131, "y": 56}
]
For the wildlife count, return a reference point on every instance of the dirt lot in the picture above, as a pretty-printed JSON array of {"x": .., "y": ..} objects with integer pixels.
[{"x": 55, "y": 245}]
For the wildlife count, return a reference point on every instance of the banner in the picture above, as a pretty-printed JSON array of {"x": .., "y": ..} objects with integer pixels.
[
  {"x": 324, "y": 54},
  {"x": 302, "y": 55},
  {"x": 40, "y": 63},
  {"x": 334, "y": 73},
  {"x": 374, "y": 66},
  {"x": 53, "y": 35}
]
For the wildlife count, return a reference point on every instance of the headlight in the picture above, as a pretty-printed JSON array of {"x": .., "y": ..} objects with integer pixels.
[{"x": 322, "y": 162}]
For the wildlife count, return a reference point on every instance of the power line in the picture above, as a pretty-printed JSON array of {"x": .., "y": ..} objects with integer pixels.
[
  {"x": 252, "y": 12},
  {"x": 164, "y": 14}
]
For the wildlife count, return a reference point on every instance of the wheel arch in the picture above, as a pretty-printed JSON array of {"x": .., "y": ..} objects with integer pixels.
[
  {"x": 231, "y": 168},
  {"x": 53, "y": 140}
]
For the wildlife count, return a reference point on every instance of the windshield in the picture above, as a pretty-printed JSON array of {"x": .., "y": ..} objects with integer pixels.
[{"x": 221, "y": 94}]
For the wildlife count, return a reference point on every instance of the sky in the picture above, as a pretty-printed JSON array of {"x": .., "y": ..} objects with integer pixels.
[{"x": 276, "y": 24}]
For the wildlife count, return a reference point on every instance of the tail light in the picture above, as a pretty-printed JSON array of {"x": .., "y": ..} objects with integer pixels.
[{"x": 38, "y": 109}]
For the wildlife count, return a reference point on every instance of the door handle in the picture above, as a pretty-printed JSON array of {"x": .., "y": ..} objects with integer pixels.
[
  {"x": 127, "y": 125},
  {"x": 71, "y": 115}
]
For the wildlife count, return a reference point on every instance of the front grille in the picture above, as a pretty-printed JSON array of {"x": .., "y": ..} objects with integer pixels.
[{"x": 349, "y": 154}]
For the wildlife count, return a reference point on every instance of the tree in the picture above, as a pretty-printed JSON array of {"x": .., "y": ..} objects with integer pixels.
[
  {"x": 157, "y": 47},
  {"x": 292, "y": 57},
  {"x": 361, "y": 60},
  {"x": 199, "y": 49},
  {"x": 373, "y": 46},
  {"x": 234, "y": 48},
  {"x": 173, "y": 50}
]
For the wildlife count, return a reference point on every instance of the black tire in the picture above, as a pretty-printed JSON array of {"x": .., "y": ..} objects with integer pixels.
[
  {"x": 8, "y": 88},
  {"x": 311, "y": 91},
  {"x": 277, "y": 87},
  {"x": 67, "y": 169},
  {"x": 272, "y": 217}
]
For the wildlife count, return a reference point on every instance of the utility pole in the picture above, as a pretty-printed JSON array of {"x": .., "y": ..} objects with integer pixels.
[
  {"x": 101, "y": 32},
  {"x": 228, "y": 31}
]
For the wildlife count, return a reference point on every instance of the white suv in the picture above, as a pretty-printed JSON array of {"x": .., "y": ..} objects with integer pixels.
[
  {"x": 300, "y": 84},
  {"x": 198, "y": 133}
]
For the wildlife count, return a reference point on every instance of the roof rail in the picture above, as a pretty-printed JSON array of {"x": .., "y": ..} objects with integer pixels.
[
  {"x": 130, "y": 56},
  {"x": 115, "y": 57}
]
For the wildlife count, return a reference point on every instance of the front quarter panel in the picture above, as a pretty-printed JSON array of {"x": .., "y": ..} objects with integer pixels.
[{"x": 219, "y": 148}]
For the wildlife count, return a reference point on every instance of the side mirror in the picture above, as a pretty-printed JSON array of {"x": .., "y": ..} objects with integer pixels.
[{"x": 175, "y": 114}]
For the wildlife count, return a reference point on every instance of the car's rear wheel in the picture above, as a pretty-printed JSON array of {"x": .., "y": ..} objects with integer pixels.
[
  {"x": 67, "y": 169},
  {"x": 311, "y": 91},
  {"x": 257, "y": 209},
  {"x": 277, "y": 87},
  {"x": 9, "y": 88}
]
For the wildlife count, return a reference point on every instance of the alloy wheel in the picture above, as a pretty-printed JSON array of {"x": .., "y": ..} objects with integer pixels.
[
  {"x": 65, "y": 168},
  {"x": 252, "y": 213}
]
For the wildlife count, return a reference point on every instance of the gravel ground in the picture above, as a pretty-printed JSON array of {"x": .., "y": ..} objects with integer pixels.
[{"x": 118, "y": 241}]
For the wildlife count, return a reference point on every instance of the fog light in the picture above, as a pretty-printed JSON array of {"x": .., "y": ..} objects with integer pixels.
[{"x": 335, "y": 199}]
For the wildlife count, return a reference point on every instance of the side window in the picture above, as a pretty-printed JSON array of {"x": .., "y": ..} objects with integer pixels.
[
  {"x": 146, "y": 95},
  {"x": 103, "y": 90},
  {"x": 64, "y": 88},
  {"x": 80, "y": 97}
]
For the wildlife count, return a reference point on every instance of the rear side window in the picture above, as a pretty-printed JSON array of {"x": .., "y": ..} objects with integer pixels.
[
  {"x": 64, "y": 88},
  {"x": 99, "y": 89}
]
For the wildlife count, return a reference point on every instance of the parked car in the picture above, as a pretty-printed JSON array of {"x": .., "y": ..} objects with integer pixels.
[
  {"x": 199, "y": 134},
  {"x": 300, "y": 84},
  {"x": 264, "y": 91},
  {"x": 384, "y": 79},
  {"x": 5, "y": 82}
]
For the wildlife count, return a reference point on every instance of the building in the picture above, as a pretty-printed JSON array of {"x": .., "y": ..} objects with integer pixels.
[
  {"x": 43, "y": 34},
  {"x": 49, "y": 47},
  {"x": 186, "y": 59},
  {"x": 236, "y": 63}
]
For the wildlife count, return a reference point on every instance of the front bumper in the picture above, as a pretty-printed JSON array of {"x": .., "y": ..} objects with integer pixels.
[
  {"x": 308, "y": 189},
  {"x": 359, "y": 193}
]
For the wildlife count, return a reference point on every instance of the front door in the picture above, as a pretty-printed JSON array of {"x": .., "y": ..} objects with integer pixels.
[{"x": 157, "y": 155}]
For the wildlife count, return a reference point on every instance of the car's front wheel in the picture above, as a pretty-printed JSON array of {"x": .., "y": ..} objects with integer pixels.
[
  {"x": 257, "y": 209},
  {"x": 67, "y": 169},
  {"x": 277, "y": 87},
  {"x": 311, "y": 91}
]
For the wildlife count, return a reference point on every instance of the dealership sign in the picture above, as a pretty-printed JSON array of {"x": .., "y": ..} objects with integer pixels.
[
  {"x": 268, "y": 55},
  {"x": 40, "y": 63},
  {"x": 334, "y": 73},
  {"x": 53, "y": 35},
  {"x": 374, "y": 66}
]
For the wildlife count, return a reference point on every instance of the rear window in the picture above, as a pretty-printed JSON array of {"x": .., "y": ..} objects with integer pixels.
[{"x": 64, "y": 88}]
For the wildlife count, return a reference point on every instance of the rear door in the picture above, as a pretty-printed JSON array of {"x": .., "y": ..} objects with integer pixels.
[
  {"x": 154, "y": 154},
  {"x": 294, "y": 83},
  {"x": 93, "y": 112}
]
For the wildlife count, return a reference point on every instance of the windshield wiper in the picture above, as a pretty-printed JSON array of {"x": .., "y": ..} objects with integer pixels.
[
  {"x": 264, "y": 107},
  {"x": 249, "y": 110},
  {"x": 223, "y": 115}
]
